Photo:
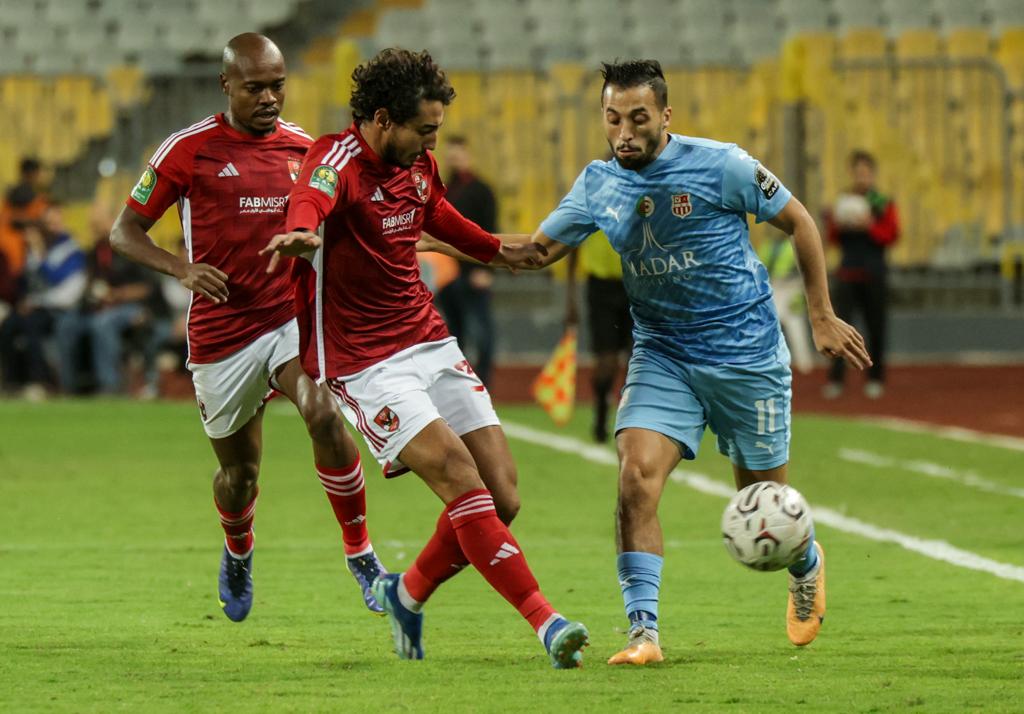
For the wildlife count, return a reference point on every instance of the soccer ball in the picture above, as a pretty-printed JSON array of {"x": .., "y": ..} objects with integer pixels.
[
  {"x": 851, "y": 211},
  {"x": 767, "y": 526}
]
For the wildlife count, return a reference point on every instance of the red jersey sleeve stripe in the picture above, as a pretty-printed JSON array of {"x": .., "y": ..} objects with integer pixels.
[
  {"x": 341, "y": 152},
  {"x": 173, "y": 136},
  {"x": 294, "y": 129},
  {"x": 172, "y": 141}
]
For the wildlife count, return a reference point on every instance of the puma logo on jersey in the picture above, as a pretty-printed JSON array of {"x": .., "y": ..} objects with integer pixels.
[
  {"x": 229, "y": 170},
  {"x": 613, "y": 212}
]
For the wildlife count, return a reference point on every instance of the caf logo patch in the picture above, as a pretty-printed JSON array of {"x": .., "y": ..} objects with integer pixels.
[
  {"x": 294, "y": 167},
  {"x": 324, "y": 179},
  {"x": 645, "y": 207},
  {"x": 144, "y": 188},
  {"x": 421, "y": 185},
  {"x": 681, "y": 206},
  {"x": 766, "y": 181},
  {"x": 386, "y": 420}
]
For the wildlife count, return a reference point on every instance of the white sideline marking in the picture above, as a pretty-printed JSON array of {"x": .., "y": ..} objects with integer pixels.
[
  {"x": 934, "y": 549},
  {"x": 928, "y": 468},
  {"x": 954, "y": 433}
]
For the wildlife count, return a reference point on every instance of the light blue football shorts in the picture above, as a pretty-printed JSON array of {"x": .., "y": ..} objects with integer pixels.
[{"x": 746, "y": 405}]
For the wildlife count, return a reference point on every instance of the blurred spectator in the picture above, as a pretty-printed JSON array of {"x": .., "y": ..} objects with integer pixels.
[
  {"x": 120, "y": 301},
  {"x": 864, "y": 223},
  {"x": 608, "y": 319},
  {"x": 466, "y": 301},
  {"x": 54, "y": 279},
  {"x": 779, "y": 258},
  {"x": 23, "y": 204},
  {"x": 166, "y": 346}
]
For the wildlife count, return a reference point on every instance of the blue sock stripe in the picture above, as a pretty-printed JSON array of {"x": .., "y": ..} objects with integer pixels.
[{"x": 640, "y": 580}]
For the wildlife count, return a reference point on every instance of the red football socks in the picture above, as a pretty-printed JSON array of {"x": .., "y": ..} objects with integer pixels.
[
  {"x": 490, "y": 547},
  {"x": 346, "y": 491},
  {"x": 440, "y": 559},
  {"x": 238, "y": 528}
]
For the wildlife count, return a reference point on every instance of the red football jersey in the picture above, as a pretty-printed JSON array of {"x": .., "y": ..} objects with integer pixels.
[
  {"x": 365, "y": 300},
  {"x": 231, "y": 189}
]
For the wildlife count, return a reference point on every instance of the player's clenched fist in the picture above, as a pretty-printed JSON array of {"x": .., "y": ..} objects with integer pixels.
[
  {"x": 291, "y": 244},
  {"x": 206, "y": 280},
  {"x": 520, "y": 255}
]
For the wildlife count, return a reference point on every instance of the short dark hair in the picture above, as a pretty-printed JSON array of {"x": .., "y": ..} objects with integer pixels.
[
  {"x": 398, "y": 80},
  {"x": 858, "y": 156},
  {"x": 29, "y": 165},
  {"x": 633, "y": 73}
]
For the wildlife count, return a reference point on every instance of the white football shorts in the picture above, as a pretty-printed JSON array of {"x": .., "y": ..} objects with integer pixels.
[
  {"x": 392, "y": 401},
  {"x": 232, "y": 390}
]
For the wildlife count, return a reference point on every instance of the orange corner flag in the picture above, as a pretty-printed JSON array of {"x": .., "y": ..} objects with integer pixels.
[{"x": 555, "y": 386}]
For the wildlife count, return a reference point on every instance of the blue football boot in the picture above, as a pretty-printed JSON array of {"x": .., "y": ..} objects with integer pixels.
[
  {"x": 565, "y": 642},
  {"x": 406, "y": 625},
  {"x": 235, "y": 586},
  {"x": 365, "y": 569}
]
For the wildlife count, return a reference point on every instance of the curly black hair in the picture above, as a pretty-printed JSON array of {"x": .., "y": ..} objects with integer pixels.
[
  {"x": 398, "y": 80},
  {"x": 634, "y": 73}
]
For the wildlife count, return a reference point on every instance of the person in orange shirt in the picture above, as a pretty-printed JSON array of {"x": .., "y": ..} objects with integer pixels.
[{"x": 24, "y": 203}]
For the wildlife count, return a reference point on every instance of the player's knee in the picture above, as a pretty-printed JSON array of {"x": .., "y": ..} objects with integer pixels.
[
  {"x": 638, "y": 486},
  {"x": 507, "y": 506},
  {"x": 240, "y": 478},
  {"x": 322, "y": 422}
]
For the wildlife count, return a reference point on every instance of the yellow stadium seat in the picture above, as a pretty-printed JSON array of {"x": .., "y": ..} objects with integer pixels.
[
  {"x": 969, "y": 42},
  {"x": 863, "y": 44},
  {"x": 1010, "y": 54},
  {"x": 918, "y": 44},
  {"x": 127, "y": 85}
]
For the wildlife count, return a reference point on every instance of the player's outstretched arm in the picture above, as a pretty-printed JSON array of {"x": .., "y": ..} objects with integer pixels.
[
  {"x": 130, "y": 238},
  {"x": 551, "y": 250},
  {"x": 832, "y": 337},
  {"x": 291, "y": 244}
]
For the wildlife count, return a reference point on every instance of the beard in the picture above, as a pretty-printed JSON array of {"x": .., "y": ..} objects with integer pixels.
[{"x": 637, "y": 161}]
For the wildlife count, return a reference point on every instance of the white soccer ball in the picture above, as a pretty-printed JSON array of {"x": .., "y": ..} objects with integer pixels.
[
  {"x": 851, "y": 210},
  {"x": 767, "y": 526}
]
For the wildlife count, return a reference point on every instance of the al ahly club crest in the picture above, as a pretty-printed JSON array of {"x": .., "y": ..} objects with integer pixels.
[
  {"x": 422, "y": 187},
  {"x": 386, "y": 420},
  {"x": 294, "y": 167}
]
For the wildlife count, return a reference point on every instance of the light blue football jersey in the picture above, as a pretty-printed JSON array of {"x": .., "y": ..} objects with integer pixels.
[{"x": 696, "y": 287}]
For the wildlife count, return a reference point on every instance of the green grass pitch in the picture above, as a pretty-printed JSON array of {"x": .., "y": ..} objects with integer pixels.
[{"x": 109, "y": 546}]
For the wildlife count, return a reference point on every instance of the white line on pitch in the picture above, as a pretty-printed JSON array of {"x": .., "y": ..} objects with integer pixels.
[
  {"x": 928, "y": 468},
  {"x": 954, "y": 433},
  {"x": 934, "y": 549}
]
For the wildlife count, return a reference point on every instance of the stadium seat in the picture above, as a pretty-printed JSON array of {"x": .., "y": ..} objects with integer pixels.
[
  {"x": 1010, "y": 54},
  {"x": 401, "y": 28},
  {"x": 1006, "y": 14},
  {"x": 863, "y": 43},
  {"x": 798, "y": 16},
  {"x": 918, "y": 44},
  {"x": 956, "y": 14},
  {"x": 968, "y": 42},
  {"x": 858, "y": 15},
  {"x": 909, "y": 14}
]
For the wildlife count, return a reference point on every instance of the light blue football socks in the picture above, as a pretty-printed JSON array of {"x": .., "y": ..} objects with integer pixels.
[
  {"x": 806, "y": 564},
  {"x": 640, "y": 579}
]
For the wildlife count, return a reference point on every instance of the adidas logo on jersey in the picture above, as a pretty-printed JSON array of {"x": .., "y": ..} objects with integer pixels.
[
  {"x": 378, "y": 195},
  {"x": 229, "y": 170},
  {"x": 507, "y": 550}
]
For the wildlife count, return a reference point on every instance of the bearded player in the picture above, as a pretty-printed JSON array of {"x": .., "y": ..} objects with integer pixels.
[{"x": 377, "y": 340}]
